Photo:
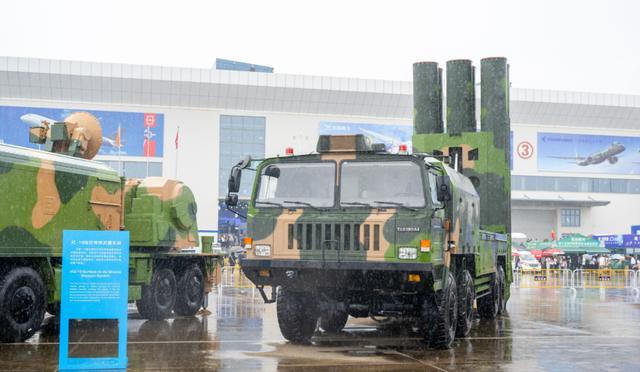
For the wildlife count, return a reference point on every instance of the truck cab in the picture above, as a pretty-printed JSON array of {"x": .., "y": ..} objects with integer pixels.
[{"x": 353, "y": 230}]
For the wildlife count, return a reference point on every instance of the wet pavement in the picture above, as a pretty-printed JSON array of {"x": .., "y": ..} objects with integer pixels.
[{"x": 544, "y": 330}]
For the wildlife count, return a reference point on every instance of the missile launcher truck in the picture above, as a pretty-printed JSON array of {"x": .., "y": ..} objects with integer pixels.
[
  {"x": 43, "y": 193},
  {"x": 353, "y": 230}
]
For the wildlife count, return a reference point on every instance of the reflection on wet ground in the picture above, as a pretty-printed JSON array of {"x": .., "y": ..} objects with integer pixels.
[{"x": 545, "y": 329}]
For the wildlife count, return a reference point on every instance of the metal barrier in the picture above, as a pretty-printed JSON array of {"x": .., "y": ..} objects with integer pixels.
[
  {"x": 233, "y": 277},
  {"x": 545, "y": 278},
  {"x": 605, "y": 278},
  {"x": 580, "y": 278}
]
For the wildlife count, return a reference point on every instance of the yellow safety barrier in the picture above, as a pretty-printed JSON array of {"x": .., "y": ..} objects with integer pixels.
[
  {"x": 605, "y": 278},
  {"x": 544, "y": 278}
]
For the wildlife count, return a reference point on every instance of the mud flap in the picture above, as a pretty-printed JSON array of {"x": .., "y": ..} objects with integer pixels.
[{"x": 264, "y": 295}]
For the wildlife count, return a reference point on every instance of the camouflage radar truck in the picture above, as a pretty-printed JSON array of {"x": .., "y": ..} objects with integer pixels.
[
  {"x": 43, "y": 193},
  {"x": 354, "y": 230}
]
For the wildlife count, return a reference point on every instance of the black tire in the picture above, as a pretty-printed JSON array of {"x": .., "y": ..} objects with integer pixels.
[
  {"x": 333, "y": 321},
  {"x": 23, "y": 299},
  {"x": 54, "y": 308},
  {"x": 466, "y": 297},
  {"x": 158, "y": 297},
  {"x": 297, "y": 315},
  {"x": 190, "y": 295},
  {"x": 489, "y": 304},
  {"x": 501, "y": 284},
  {"x": 439, "y": 316}
]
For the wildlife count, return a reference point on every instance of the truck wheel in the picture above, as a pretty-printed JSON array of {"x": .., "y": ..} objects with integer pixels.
[
  {"x": 159, "y": 297},
  {"x": 22, "y": 304},
  {"x": 190, "y": 292},
  {"x": 333, "y": 321},
  {"x": 439, "y": 316},
  {"x": 297, "y": 315},
  {"x": 501, "y": 281},
  {"x": 489, "y": 304},
  {"x": 466, "y": 297}
]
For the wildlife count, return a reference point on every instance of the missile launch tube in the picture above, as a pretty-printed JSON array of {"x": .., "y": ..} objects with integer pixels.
[
  {"x": 494, "y": 99},
  {"x": 461, "y": 97},
  {"x": 427, "y": 98}
]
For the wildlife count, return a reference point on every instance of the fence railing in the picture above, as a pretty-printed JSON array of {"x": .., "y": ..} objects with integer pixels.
[
  {"x": 580, "y": 278},
  {"x": 233, "y": 277}
]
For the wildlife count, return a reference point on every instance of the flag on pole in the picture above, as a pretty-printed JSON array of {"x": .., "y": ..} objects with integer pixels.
[{"x": 177, "y": 137}]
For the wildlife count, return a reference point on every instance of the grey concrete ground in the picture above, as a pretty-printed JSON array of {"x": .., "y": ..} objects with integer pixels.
[{"x": 545, "y": 329}]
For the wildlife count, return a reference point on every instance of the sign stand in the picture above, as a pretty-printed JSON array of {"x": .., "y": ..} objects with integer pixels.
[{"x": 95, "y": 283}]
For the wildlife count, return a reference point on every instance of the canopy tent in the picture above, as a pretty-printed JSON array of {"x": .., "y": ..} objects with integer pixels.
[{"x": 538, "y": 246}]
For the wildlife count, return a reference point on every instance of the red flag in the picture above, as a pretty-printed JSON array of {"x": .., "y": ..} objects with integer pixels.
[
  {"x": 553, "y": 235},
  {"x": 177, "y": 137}
]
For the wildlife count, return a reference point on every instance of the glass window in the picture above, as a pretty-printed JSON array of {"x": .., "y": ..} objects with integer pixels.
[
  {"x": 239, "y": 136},
  {"x": 570, "y": 217},
  {"x": 380, "y": 182},
  {"x": 292, "y": 184},
  {"x": 433, "y": 186}
]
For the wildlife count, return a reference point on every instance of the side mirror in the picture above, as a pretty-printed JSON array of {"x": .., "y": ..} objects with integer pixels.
[
  {"x": 231, "y": 200},
  {"x": 245, "y": 162},
  {"x": 444, "y": 192},
  {"x": 234, "y": 179},
  {"x": 272, "y": 171}
]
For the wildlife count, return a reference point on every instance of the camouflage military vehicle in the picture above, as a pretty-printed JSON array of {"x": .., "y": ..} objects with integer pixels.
[
  {"x": 43, "y": 193},
  {"x": 353, "y": 230}
]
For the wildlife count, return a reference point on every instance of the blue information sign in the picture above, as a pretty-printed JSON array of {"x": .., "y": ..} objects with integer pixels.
[{"x": 95, "y": 276}]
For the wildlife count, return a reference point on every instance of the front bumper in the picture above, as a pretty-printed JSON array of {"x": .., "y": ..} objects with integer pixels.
[{"x": 328, "y": 273}]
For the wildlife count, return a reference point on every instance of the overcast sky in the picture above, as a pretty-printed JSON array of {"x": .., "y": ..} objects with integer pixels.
[{"x": 566, "y": 45}]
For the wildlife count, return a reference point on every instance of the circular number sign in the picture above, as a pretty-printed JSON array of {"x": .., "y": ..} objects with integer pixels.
[{"x": 525, "y": 150}]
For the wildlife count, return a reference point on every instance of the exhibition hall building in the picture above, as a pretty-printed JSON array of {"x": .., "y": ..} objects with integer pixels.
[{"x": 575, "y": 155}]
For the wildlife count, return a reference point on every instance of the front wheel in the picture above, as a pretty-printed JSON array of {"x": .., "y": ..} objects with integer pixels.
[
  {"x": 158, "y": 297},
  {"x": 22, "y": 304},
  {"x": 297, "y": 315},
  {"x": 439, "y": 316}
]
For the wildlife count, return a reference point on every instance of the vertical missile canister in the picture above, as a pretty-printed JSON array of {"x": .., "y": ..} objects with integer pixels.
[
  {"x": 461, "y": 97},
  {"x": 494, "y": 119},
  {"x": 427, "y": 98},
  {"x": 494, "y": 98},
  {"x": 482, "y": 156}
]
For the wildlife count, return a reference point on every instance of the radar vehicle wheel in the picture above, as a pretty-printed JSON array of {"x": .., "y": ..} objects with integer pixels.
[
  {"x": 190, "y": 292},
  {"x": 22, "y": 304},
  {"x": 159, "y": 297}
]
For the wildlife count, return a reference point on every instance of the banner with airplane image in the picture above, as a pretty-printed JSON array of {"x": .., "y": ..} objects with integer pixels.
[
  {"x": 123, "y": 133},
  {"x": 583, "y": 153},
  {"x": 392, "y": 135}
]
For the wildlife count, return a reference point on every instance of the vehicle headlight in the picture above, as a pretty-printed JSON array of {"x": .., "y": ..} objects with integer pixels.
[
  {"x": 408, "y": 253},
  {"x": 262, "y": 250}
]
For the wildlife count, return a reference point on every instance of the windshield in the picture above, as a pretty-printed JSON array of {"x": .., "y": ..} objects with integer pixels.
[
  {"x": 291, "y": 184},
  {"x": 379, "y": 183}
]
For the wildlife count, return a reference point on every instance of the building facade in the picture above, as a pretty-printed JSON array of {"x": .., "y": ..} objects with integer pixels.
[{"x": 576, "y": 156}]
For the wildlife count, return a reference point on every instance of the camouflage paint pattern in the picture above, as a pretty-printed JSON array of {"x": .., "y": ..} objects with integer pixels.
[
  {"x": 160, "y": 212},
  {"x": 43, "y": 194}
]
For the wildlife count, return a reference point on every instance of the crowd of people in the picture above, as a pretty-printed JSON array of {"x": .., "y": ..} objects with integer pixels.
[{"x": 587, "y": 261}]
